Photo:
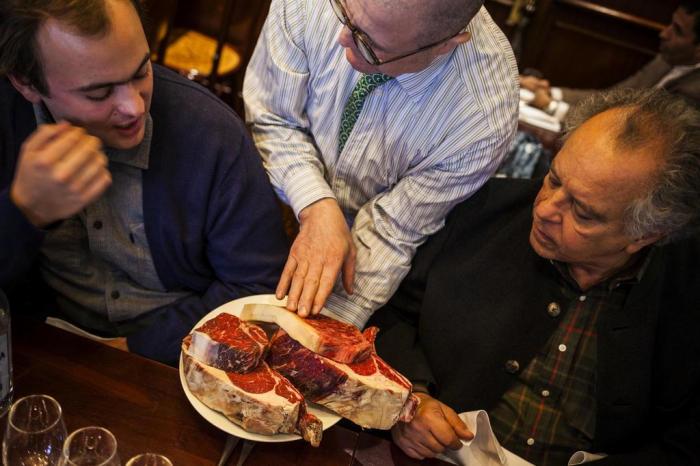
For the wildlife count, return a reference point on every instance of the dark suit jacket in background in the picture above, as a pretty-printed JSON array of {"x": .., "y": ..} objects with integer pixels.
[
  {"x": 477, "y": 296},
  {"x": 687, "y": 86}
]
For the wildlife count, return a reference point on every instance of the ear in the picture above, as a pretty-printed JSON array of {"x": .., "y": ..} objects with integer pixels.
[
  {"x": 27, "y": 90},
  {"x": 451, "y": 44},
  {"x": 640, "y": 243}
]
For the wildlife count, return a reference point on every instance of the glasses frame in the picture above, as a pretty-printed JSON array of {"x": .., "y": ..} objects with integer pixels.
[{"x": 363, "y": 41}]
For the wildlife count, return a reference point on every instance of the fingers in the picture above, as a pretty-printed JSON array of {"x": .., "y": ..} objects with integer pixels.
[
  {"x": 297, "y": 286},
  {"x": 286, "y": 279},
  {"x": 45, "y": 134},
  {"x": 460, "y": 428},
  {"x": 310, "y": 287},
  {"x": 325, "y": 288}
]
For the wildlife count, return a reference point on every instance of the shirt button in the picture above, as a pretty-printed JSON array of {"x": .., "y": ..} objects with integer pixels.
[
  {"x": 97, "y": 224},
  {"x": 553, "y": 309},
  {"x": 512, "y": 366},
  {"x": 530, "y": 441},
  {"x": 582, "y": 298},
  {"x": 115, "y": 294},
  {"x": 545, "y": 393},
  {"x": 562, "y": 348}
]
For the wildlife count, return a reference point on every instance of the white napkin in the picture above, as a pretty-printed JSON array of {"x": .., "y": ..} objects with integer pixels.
[
  {"x": 483, "y": 449},
  {"x": 538, "y": 118}
]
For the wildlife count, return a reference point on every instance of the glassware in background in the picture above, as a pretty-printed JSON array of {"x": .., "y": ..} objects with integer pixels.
[
  {"x": 5, "y": 356},
  {"x": 35, "y": 432},
  {"x": 90, "y": 446},
  {"x": 149, "y": 459}
]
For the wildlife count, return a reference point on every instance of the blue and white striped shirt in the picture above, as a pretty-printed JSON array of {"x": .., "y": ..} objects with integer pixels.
[{"x": 424, "y": 141}]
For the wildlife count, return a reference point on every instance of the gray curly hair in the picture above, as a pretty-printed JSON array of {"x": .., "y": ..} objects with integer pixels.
[{"x": 672, "y": 206}]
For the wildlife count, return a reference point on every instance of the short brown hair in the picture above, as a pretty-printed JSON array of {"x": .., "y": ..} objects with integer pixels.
[{"x": 20, "y": 20}]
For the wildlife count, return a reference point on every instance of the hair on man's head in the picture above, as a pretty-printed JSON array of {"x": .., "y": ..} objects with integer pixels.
[
  {"x": 20, "y": 21},
  {"x": 655, "y": 118}
]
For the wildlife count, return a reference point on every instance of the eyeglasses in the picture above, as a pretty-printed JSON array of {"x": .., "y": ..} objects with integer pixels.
[{"x": 362, "y": 40}]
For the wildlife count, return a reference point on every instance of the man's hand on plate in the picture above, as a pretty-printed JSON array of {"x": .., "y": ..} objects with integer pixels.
[
  {"x": 61, "y": 169},
  {"x": 434, "y": 428},
  {"x": 320, "y": 251}
]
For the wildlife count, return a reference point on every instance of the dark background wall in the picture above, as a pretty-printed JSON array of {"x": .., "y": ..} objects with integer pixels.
[{"x": 582, "y": 43}]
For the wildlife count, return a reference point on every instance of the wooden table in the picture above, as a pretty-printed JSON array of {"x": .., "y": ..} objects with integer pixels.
[{"x": 142, "y": 403}]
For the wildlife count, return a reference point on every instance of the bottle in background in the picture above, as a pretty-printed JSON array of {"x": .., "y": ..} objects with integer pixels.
[{"x": 5, "y": 356}]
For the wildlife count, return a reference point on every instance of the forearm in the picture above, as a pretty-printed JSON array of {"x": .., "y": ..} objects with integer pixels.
[
  {"x": 168, "y": 325},
  {"x": 275, "y": 95}
]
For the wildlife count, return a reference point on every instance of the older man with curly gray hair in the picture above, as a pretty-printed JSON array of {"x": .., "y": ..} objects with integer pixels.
[{"x": 575, "y": 322}]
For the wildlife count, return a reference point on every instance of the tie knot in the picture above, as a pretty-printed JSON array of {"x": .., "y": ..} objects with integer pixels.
[{"x": 368, "y": 82}]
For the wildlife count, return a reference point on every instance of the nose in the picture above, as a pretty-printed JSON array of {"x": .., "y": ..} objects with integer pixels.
[
  {"x": 130, "y": 102},
  {"x": 345, "y": 37},
  {"x": 549, "y": 206}
]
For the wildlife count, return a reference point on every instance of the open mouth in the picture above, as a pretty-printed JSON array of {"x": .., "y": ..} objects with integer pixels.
[{"x": 130, "y": 128}]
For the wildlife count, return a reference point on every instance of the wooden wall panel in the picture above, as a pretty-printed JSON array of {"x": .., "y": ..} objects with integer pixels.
[{"x": 584, "y": 43}]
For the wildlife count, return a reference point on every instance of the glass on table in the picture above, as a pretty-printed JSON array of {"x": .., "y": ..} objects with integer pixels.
[
  {"x": 149, "y": 459},
  {"x": 90, "y": 446},
  {"x": 35, "y": 432}
]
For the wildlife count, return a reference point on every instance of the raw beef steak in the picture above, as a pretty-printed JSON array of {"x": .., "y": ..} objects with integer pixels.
[
  {"x": 370, "y": 393},
  {"x": 259, "y": 401},
  {"x": 229, "y": 344},
  {"x": 328, "y": 337}
]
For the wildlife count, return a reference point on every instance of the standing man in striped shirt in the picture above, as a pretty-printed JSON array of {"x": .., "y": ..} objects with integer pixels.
[{"x": 374, "y": 118}]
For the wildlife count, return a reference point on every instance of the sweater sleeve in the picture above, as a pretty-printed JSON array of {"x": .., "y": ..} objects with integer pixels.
[
  {"x": 19, "y": 241},
  {"x": 244, "y": 247}
]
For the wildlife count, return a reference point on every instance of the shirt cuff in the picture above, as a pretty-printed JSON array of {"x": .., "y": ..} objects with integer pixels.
[
  {"x": 556, "y": 93},
  {"x": 305, "y": 188},
  {"x": 344, "y": 310}
]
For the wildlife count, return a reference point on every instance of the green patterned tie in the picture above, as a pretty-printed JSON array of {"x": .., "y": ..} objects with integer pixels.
[{"x": 353, "y": 107}]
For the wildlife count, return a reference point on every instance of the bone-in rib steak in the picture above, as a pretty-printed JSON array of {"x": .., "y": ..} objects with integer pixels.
[
  {"x": 229, "y": 344},
  {"x": 370, "y": 393},
  {"x": 260, "y": 400},
  {"x": 328, "y": 337}
]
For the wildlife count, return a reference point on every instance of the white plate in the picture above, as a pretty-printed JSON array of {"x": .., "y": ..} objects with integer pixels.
[{"x": 327, "y": 417}]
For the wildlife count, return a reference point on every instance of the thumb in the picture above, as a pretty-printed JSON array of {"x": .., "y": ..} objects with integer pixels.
[{"x": 457, "y": 424}]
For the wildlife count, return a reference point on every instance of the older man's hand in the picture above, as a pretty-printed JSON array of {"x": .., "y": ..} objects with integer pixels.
[
  {"x": 321, "y": 249},
  {"x": 61, "y": 169},
  {"x": 434, "y": 428}
]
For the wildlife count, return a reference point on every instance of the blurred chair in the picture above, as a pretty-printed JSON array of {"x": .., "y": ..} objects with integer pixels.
[{"x": 208, "y": 41}]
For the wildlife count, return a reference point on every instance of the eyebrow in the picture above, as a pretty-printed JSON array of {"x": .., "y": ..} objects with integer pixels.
[
  {"x": 95, "y": 86},
  {"x": 587, "y": 209}
]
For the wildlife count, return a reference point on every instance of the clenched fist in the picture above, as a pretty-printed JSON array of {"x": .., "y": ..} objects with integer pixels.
[{"x": 61, "y": 170}]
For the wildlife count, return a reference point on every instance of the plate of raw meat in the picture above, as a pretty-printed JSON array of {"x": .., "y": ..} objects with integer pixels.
[
  {"x": 260, "y": 372},
  {"x": 279, "y": 411}
]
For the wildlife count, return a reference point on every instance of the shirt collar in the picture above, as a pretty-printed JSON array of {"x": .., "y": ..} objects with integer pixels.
[
  {"x": 137, "y": 157},
  {"x": 416, "y": 84},
  {"x": 631, "y": 274}
]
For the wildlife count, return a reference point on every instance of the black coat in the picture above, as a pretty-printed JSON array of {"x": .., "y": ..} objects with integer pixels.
[{"x": 477, "y": 297}]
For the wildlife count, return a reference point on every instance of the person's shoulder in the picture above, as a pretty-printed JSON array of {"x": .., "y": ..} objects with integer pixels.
[
  {"x": 178, "y": 98},
  {"x": 498, "y": 199}
]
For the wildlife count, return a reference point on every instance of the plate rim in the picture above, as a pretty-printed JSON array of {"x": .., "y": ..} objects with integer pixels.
[{"x": 218, "y": 420}]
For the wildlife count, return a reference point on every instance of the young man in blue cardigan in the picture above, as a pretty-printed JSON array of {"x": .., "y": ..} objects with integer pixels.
[{"x": 133, "y": 196}]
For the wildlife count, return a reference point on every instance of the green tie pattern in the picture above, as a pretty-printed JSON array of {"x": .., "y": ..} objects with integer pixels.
[{"x": 353, "y": 107}]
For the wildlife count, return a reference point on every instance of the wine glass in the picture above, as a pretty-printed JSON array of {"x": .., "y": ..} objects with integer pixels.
[
  {"x": 35, "y": 432},
  {"x": 90, "y": 446},
  {"x": 149, "y": 459}
]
